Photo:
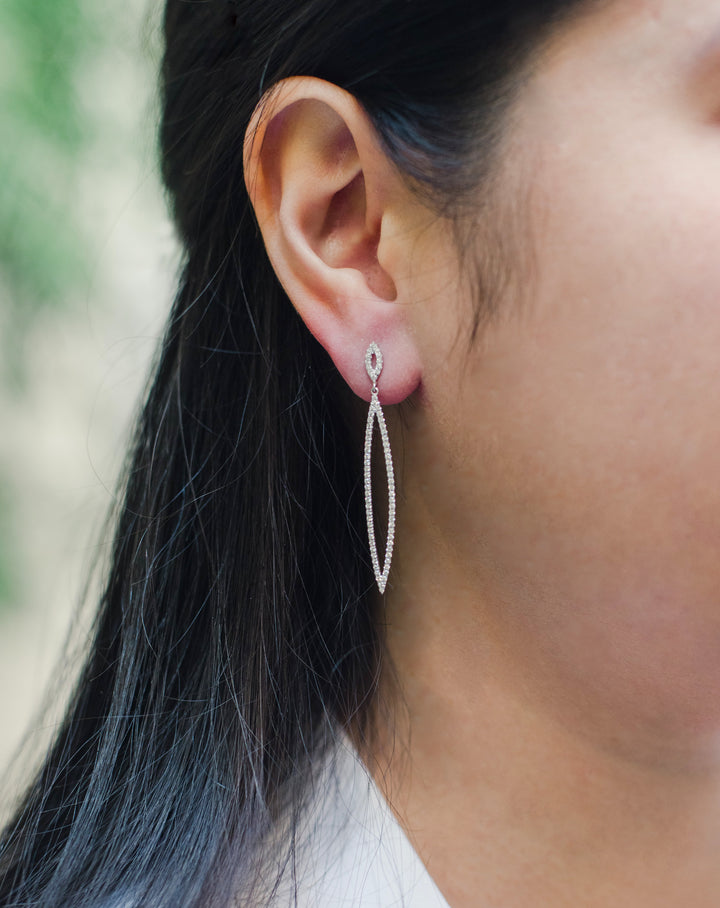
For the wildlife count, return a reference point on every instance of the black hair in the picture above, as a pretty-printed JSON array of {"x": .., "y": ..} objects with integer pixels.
[{"x": 236, "y": 625}]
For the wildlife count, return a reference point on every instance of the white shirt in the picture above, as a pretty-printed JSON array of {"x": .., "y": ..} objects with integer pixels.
[{"x": 350, "y": 850}]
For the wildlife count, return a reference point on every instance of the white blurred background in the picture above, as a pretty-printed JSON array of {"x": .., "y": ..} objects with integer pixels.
[{"x": 87, "y": 266}]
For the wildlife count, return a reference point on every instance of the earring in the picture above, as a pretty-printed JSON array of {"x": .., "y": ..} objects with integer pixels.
[{"x": 374, "y": 364}]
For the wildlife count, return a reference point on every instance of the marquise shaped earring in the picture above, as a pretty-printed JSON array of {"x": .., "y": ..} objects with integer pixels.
[{"x": 374, "y": 364}]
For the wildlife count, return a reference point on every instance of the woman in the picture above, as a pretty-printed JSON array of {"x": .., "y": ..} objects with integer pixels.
[{"x": 517, "y": 203}]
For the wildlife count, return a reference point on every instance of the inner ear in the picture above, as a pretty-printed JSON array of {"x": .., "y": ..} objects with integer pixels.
[
  {"x": 344, "y": 227},
  {"x": 347, "y": 240}
]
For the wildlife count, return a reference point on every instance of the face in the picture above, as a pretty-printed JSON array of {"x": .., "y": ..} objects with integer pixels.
[{"x": 569, "y": 467}]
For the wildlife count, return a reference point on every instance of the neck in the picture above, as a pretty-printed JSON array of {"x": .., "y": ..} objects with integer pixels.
[{"x": 510, "y": 801}]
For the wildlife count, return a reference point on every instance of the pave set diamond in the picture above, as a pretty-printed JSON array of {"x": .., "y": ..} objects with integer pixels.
[{"x": 373, "y": 365}]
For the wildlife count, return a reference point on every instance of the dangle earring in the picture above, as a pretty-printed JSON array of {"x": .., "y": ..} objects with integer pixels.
[{"x": 374, "y": 364}]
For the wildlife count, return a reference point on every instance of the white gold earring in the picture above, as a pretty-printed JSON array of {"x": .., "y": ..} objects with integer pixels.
[{"x": 374, "y": 364}]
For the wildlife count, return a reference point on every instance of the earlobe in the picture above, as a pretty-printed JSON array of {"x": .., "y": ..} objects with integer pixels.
[{"x": 327, "y": 201}]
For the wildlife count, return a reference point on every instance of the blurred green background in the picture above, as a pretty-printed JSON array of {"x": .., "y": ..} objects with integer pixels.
[{"x": 87, "y": 259}]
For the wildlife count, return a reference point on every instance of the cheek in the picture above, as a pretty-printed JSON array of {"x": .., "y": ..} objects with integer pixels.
[
  {"x": 603, "y": 390},
  {"x": 623, "y": 338},
  {"x": 587, "y": 441}
]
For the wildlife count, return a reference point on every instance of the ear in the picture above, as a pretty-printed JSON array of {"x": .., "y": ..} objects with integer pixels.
[{"x": 337, "y": 221}]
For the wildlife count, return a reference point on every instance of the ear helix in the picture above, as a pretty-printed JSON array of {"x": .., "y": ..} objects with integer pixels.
[{"x": 373, "y": 365}]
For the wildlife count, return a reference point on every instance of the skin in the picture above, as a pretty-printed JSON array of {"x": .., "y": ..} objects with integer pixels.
[{"x": 553, "y": 611}]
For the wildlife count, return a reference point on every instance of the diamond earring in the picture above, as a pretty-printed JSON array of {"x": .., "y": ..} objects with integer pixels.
[{"x": 374, "y": 364}]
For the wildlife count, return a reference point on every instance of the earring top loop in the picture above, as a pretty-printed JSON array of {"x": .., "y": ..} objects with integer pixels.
[{"x": 373, "y": 369}]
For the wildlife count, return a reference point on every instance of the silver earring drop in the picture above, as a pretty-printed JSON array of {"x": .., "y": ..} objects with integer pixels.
[{"x": 374, "y": 364}]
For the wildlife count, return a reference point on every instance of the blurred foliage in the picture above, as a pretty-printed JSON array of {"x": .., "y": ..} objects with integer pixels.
[
  {"x": 43, "y": 130},
  {"x": 65, "y": 110},
  {"x": 8, "y": 577}
]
